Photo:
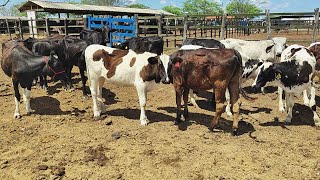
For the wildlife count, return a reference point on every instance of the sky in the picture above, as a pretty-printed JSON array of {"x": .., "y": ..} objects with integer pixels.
[{"x": 273, "y": 5}]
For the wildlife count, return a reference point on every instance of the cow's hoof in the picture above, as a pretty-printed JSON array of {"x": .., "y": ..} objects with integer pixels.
[
  {"x": 281, "y": 110},
  {"x": 144, "y": 122},
  {"x": 317, "y": 125},
  {"x": 235, "y": 132},
  {"x": 30, "y": 112},
  {"x": 229, "y": 114},
  {"x": 17, "y": 116},
  {"x": 177, "y": 121},
  {"x": 287, "y": 121},
  {"x": 97, "y": 118}
]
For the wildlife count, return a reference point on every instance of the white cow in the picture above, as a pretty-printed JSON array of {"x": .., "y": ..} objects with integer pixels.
[
  {"x": 293, "y": 75},
  {"x": 125, "y": 67},
  {"x": 266, "y": 50}
]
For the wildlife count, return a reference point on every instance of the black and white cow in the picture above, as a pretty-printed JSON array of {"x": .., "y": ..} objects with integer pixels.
[
  {"x": 267, "y": 50},
  {"x": 153, "y": 44},
  {"x": 207, "y": 43},
  {"x": 96, "y": 36},
  {"x": 293, "y": 75},
  {"x": 23, "y": 66}
]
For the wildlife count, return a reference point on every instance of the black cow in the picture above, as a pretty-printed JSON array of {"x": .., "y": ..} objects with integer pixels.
[
  {"x": 23, "y": 66},
  {"x": 96, "y": 36},
  {"x": 70, "y": 51},
  {"x": 139, "y": 45},
  {"x": 208, "y": 43}
]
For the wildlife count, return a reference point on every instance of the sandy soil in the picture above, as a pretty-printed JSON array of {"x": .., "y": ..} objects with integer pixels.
[{"x": 61, "y": 140}]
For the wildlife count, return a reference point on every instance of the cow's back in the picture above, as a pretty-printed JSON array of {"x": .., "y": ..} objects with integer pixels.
[{"x": 208, "y": 65}]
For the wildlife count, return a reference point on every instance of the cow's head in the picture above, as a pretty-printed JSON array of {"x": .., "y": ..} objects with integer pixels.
[
  {"x": 174, "y": 63},
  {"x": 157, "y": 69},
  {"x": 54, "y": 68},
  {"x": 280, "y": 44},
  {"x": 105, "y": 34},
  {"x": 266, "y": 73}
]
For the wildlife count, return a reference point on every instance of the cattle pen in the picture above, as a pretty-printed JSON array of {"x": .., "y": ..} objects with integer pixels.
[
  {"x": 301, "y": 27},
  {"x": 60, "y": 138}
]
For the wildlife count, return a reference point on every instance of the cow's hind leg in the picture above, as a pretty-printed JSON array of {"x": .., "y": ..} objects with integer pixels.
[
  {"x": 313, "y": 106},
  {"x": 193, "y": 99},
  {"x": 178, "y": 103},
  {"x": 26, "y": 99},
  {"x": 220, "y": 99},
  {"x": 94, "y": 93},
  {"x": 289, "y": 106},
  {"x": 17, "y": 98},
  {"x": 69, "y": 74},
  {"x": 280, "y": 93},
  {"x": 142, "y": 94},
  {"x": 185, "y": 100},
  {"x": 84, "y": 81},
  {"x": 235, "y": 103},
  {"x": 228, "y": 109},
  {"x": 100, "y": 100}
]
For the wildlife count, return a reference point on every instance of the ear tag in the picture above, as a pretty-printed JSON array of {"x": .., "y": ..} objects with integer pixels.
[
  {"x": 278, "y": 76},
  {"x": 177, "y": 64},
  {"x": 126, "y": 47}
]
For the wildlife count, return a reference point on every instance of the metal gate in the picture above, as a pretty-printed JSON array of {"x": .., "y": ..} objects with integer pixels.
[{"x": 121, "y": 27}]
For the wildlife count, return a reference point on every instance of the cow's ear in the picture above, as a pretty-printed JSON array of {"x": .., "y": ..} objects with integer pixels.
[
  {"x": 176, "y": 60},
  {"x": 52, "y": 53},
  {"x": 268, "y": 49},
  {"x": 153, "y": 60}
]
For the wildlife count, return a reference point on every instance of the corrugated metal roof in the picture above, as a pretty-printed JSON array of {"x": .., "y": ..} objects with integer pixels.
[{"x": 93, "y": 8}]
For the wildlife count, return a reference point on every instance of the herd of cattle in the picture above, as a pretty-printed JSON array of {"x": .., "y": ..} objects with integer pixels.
[{"x": 199, "y": 64}]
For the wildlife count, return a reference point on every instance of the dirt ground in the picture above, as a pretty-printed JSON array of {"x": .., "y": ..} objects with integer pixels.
[{"x": 61, "y": 140}]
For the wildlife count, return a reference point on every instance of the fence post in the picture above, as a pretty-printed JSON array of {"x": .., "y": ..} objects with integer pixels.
[
  {"x": 8, "y": 29},
  {"x": 223, "y": 26},
  {"x": 20, "y": 28},
  {"x": 268, "y": 24},
  {"x": 185, "y": 27},
  {"x": 160, "y": 25},
  {"x": 47, "y": 27},
  {"x": 65, "y": 26},
  {"x": 85, "y": 22},
  {"x": 32, "y": 31},
  {"x": 136, "y": 24},
  {"x": 316, "y": 25}
]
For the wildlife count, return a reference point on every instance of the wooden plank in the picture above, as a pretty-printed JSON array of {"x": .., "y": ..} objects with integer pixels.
[{"x": 149, "y": 26}]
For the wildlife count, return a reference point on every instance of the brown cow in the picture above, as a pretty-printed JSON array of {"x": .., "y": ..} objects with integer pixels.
[
  {"x": 315, "y": 49},
  {"x": 205, "y": 69}
]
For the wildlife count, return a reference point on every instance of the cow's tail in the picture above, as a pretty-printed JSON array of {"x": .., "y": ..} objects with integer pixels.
[{"x": 242, "y": 91}]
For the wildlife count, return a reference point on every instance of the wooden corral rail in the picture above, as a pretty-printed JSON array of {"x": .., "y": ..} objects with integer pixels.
[
  {"x": 44, "y": 27},
  {"x": 174, "y": 29},
  {"x": 245, "y": 26}
]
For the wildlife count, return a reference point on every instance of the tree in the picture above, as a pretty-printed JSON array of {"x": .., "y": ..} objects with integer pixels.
[
  {"x": 12, "y": 10},
  {"x": 138, "y": 5},
  {"x": 202, "y": 7},
  {"x": 106, "y": 2},
  {"x": 244, "y": 6},
  {"x": 173, "y": 9}
]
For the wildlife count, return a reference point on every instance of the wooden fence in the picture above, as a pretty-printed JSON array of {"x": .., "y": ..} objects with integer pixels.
[{"x": 174, "y": 29}]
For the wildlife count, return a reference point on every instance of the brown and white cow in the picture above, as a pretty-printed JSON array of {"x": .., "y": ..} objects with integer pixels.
[
  {"x": 143, "y": 71},
  {"x": 205, "y": 69}
]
